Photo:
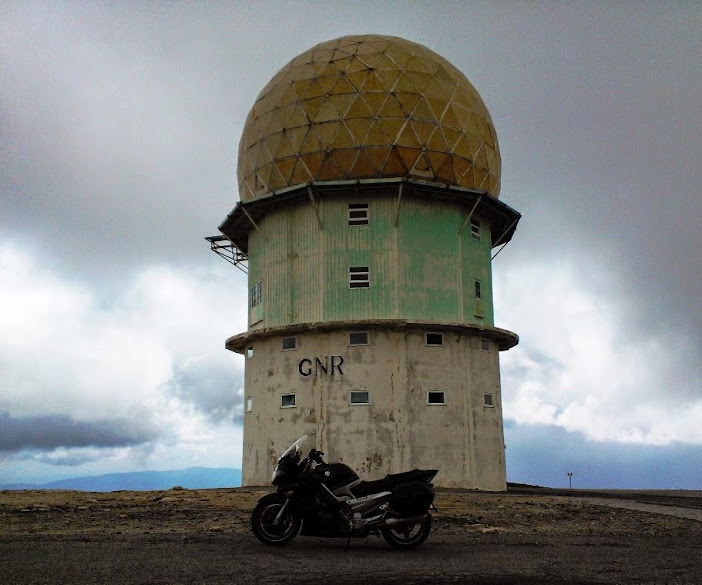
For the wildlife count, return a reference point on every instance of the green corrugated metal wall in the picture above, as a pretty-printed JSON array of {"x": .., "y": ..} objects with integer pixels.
[{"x": 421, "y": 269}]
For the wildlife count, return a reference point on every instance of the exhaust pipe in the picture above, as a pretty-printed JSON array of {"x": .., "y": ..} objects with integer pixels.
[{"x": 395, "y": 522}]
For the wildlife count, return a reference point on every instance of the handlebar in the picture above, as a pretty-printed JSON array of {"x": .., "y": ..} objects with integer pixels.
[{"x": 316, "y": 456}]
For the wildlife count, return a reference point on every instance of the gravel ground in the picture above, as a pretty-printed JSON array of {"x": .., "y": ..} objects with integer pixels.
[{"x": 526, "y": 536}]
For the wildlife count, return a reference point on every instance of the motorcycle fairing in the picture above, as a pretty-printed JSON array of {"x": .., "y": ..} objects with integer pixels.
[
  {"x": 366, "y": 503},
  {"x": 287, "y": 461}
]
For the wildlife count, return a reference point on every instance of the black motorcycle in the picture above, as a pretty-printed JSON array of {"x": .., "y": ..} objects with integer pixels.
[{"x": 330, "y": 500}]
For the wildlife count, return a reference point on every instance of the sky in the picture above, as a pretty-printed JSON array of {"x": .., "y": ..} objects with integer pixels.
[{"x": 119, "y": 128}]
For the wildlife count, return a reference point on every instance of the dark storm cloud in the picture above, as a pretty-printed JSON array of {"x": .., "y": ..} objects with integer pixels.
[
  {"x": 52, "y": 432},
  {"x": 119, "y": 126},
  {"x": 601, "y": 135},
  {"x": 121, "y": 123},
  {"x": 70, "y": 458}
]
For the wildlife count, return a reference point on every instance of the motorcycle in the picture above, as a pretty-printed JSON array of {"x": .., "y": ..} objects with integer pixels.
[{"x": 315, "y": 498}]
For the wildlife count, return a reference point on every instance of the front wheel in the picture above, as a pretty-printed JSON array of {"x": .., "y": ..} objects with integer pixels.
[
  {"x": 408, "y": 536},
  {"x": 264, "y": 525}
]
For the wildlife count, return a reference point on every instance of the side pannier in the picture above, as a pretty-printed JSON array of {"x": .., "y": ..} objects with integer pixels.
[{"x": 412, "y": 498}]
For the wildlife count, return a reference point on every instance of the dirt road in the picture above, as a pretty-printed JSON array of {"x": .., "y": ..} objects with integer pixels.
[{"x": 202, "y": 536}]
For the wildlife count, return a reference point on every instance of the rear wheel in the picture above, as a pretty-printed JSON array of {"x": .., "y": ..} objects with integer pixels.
[
  {"x": 408, "y": 536},
  {"x": 263, "y": 521}
]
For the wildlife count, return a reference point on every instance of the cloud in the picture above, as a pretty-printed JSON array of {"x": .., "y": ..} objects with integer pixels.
[
  {"x": 577, "y": 368},
  {"x": 115, "y": 136},
  {"x": 119, "y": 132},
  {"x": 207, "y": 382},
  {"x": 82, "y": 376},
  {"x": 71, "y": 457},
  {"x": 49, "y": 432},
  {"x": 64, "y": 352}
]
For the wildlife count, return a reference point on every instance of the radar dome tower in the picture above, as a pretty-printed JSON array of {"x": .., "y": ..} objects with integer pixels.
[{"x": 369, "y": 175}]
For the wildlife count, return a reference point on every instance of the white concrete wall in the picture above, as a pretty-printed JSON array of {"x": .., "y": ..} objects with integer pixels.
[{"x": 398, "y": 430}]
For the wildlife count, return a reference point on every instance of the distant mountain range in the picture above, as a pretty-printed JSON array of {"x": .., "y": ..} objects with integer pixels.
[{"x": 191, "y": 478}]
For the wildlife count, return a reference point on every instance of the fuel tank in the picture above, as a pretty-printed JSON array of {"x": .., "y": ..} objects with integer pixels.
[{"x": 334, "y": 475}]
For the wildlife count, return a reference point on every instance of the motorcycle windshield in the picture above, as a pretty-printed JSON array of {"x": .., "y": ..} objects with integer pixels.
[{"x": 294, "y": 447}]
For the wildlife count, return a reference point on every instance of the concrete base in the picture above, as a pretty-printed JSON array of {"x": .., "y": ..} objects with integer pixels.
[{"x": 409, "y": 397}]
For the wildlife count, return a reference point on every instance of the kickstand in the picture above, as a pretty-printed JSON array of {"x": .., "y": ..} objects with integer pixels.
[{"x": 348, "y": 541}]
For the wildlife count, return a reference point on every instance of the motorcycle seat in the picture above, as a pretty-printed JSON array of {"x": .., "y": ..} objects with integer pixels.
[{"x": 392, "y": 480}]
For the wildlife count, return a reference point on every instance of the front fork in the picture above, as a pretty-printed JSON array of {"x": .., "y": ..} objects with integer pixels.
[{"x": 281, "y": 512}]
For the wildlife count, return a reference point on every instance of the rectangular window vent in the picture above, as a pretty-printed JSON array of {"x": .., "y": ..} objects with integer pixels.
[
  {"x": 359, "y": 397},
  {"x": 289, "y": 343},
  {"x": 478, "y": 290},
  {"x": 475, "y": 229},
  {"x": 436, "y": 397},
  {"x": 435, "y": 339},
  {"x": 257, "y": 294},
  {"x": 359, "y": 277},
  {"x": 484, "y": 345},
  {"x": 487, "y": 400},
  {"x": 249, "y": 404},
  {"x": 358, "y": 213},
  {"x": 358, "y": 338},
  {"x": 287, "y": 401},
  {"x": 249, "y": 352}
]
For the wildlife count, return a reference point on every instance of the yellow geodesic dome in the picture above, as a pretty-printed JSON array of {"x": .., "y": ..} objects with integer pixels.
[{"x": 368, "y": 107}]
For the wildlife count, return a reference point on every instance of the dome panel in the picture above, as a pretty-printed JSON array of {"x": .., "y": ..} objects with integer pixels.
[
  {"x": 363, "y": 107},
  {"x": 363, "y": 167},
  {"x": 394, "y": 167}
]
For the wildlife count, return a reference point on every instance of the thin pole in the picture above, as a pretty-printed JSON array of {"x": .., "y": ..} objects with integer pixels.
[{"x": 465, "y": 223}]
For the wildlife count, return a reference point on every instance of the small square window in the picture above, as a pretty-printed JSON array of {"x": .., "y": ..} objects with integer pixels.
[
  {"x": 487, "y": 401},
  {"x": 359, "y": 397},
  {"x": 435, "y": 339},
  {"x": 436, "y": 397},
  {"x": 359, "y": 277},
  {"x": 475, "y": 229},
  {"x": 249, "y": 352},
  {"x": 478, "y": 290},
  {"x": 485, "y": 345},
  {"x": 358, "y": 338},
  {"x": 358, "y": 213},
  {"x": 249, "y": 404},
  {"x": 289, "y": 343},
  {"x": 287, "y": 401}
]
